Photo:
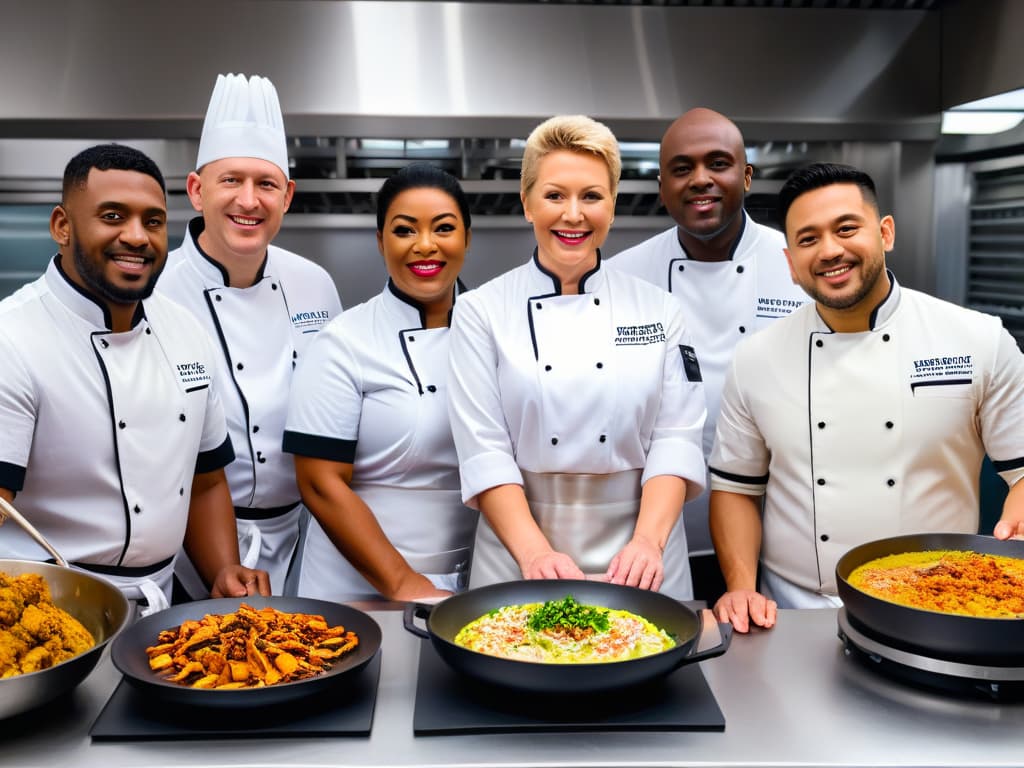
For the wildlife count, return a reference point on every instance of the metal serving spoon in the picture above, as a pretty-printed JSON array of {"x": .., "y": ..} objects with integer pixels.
[{"x": 6, "y": 510}]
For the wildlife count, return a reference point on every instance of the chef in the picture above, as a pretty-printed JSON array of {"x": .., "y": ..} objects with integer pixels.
[
  {"x": 575, "y": 393},
  {"x": 729, "y": 271},
  {"x": 261, "y": 304},
  {"x": 368, "y": 419},
  {"x": 861, "y": 416},
  {"x": 113, "y": 438}
]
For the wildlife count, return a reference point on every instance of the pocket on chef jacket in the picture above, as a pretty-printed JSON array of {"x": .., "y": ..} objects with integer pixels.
[{"x": 955, "y": 388}]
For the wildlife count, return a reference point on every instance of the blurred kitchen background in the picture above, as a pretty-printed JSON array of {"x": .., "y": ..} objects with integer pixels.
[{"x": 369, "y": 86}]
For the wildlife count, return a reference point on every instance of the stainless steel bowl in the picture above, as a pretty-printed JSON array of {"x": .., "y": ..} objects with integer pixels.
[{"x": 95, "y": 602}]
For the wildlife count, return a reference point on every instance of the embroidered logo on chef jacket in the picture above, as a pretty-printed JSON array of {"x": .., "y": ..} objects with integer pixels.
[
  {"x": 770, "y": 307},
  {"x": 193, "y": 375},
  {"x": 637, "y": 335},
  {"x": 312, "y": 321},
  {"x": 690, "y": 364},
  {"x": 936, "y": 371}
]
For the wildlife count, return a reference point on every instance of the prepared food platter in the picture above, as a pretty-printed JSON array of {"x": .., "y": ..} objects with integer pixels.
[{"x": 245, "y": 652}]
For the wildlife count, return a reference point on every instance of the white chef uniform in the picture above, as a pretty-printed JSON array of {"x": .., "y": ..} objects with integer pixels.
[
  {"x": 261, "y": 332},
  {"x": 101, "y": 431},
  {"x": 371, "y": 392},
  {"x": 602, "y": 383},
  {"x": 723, "y": 302},
  {"x": 861, "y": 436}
]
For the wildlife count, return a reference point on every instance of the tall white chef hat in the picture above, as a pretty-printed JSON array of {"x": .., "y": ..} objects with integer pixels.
[{"x": 243, "y": 120}]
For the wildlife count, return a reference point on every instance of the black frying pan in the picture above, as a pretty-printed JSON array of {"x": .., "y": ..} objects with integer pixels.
[
  {"x": 444, "y": 620},
  {"x": 961, "y": 638},
  {"x": 128, "y": 652}
]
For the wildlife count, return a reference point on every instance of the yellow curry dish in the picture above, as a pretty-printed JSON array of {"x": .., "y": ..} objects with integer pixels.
[
  {"x": 948, "y": 581},
  {"x": 563, "y": 632},
  {"x": 34, "y": 633}
]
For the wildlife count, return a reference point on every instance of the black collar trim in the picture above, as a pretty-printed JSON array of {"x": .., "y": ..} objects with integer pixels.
[
  {"x": 405, "y": 298},
  {"x": 195, "y": 229},
  {"x": 108, "y": 321},
  {"x": 557, "y": 281},
  {"x": 873, "y": 317}
]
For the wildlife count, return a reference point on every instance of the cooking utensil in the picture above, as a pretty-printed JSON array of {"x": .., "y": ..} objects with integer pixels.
[
  {"x": 128, "y": 652},
  {"x": 444, "y": 620},
  {"x": 932, "y": 633},
  {"x": 95, "y": 602},
  {"x": 9, "y": 511}
]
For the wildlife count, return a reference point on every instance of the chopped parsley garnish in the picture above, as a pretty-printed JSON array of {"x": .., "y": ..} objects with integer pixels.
[{"x": 569, "y": 614}]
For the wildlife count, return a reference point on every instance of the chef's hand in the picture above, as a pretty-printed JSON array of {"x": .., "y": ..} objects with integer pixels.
[
  {"x": 742, "y": 607},
  {"x": 638, "y": 564},
  {"x": 416, "y": 586},
  {"x": 1009, "y": 529},
  {"x": 239, "y": 581},
  {"x": 552, "y": 565}
]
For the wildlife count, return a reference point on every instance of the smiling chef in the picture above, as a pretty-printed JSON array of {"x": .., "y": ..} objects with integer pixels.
[
  {"x": 113, "y": 436},
  {"x": 261, "y": 304},
  {"x": 861, "y": 416}
]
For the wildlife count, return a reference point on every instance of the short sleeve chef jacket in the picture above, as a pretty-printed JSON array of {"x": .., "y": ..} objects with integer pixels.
[
  {"x": 723, "y": 302},
  {"x": 101, "y": 432},
  {"x": 600, "y": 382},
  {"x": 371, "y": 392},
  {"x": 262, "y": 331},
  {"x": 859, "y": 436}
]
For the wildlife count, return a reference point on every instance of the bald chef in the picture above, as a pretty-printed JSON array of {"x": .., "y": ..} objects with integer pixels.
[
  {"x": 261, "y": 304},
  {"x": 112, "y": 436},
  {"x": 861, "y": 416}
]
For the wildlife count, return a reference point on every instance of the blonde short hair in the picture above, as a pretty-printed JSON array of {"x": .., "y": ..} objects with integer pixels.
[{"x": 576, "y": 133}]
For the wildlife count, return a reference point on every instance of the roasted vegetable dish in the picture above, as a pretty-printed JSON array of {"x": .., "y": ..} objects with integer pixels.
[
  {"x": 949, "y": 581},
  {"x": 34, "y": 633},
  {"x": 563, "y": 632},
  {"x": 249, "y": 648}
]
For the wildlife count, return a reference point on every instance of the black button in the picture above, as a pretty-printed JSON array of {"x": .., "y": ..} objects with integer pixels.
[
  {"x": 821, "y": 481},
  {"x": 885, "y": 337},
  {"x": 603, "y": 438},
  {"x": 819, "y": 343},
  {"x": 239, "y": 366},
  {"x": 255, "y": 428},
  {"x": 103, "y": 343},
  {"x": 743, "y": 329},
  {"x": 889, "y": 425},
  {"x": 293, "y": 365},
  {"x": 181, "y": 491},
  {"x": 682, "y": 268},
  {"x": 273, "y": 286},
  {"x": 294, "y": 354},
  {"x": 597, "y": 300},
  {"x": 824, "y": 537},
  {"x": 412, "y": 338},
  {"x": 217, "y": 297},
  {"x": 431, "y": 388},
  {"x": 821, "y": 425},
  {"x": 138, "y": 509},
  {"x": 890, "y": 482},
  {"x": 600, "y": 365},
  {"x": 554, "y": 441},
  {"x": 547, "y": 367},
  {"x": 148, "y": 331},
  {"x": 181, "y": 417},
  {"x": 537, "y": 305},
  {"x": 121, "y": 424},
  {"x": 740, "y": 269},
  {"x": 260, "y": 457}
]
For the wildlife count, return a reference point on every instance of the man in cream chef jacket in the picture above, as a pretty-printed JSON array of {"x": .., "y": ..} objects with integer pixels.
[
  {"x": 111, "y": 434},
  {"x": 729, "y": 271},
  {"x": 261, "y": 304},
  {"x": 861, "y": 416}
]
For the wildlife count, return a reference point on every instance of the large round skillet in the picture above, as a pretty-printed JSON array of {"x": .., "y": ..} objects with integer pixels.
[
  {"x": 969, "y": 639},
  {"x": 444, "y": 620},
  {"x": 128, "y": 652}
]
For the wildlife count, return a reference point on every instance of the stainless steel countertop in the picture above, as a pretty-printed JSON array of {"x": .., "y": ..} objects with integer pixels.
[{"x": 790, "y": 698}]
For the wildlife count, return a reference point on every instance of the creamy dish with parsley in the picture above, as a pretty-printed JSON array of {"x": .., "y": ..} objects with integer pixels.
[{"x": 563, "y": 632}]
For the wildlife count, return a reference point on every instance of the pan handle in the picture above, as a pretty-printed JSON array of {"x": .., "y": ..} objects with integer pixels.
[
  {"x": 714, "y": 634},
  {"x": 415, "y": 611}
]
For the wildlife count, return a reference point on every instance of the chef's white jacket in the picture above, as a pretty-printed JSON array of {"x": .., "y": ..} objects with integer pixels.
[
  {"x": 723, "y": 302},
  {"x": 260, "y": 333},
  {"x": 860, "y": 436},
  {"x": 372, "y": 392},
  {"x": 599, "y": 382},
  {"x": 101, "y": 432}
]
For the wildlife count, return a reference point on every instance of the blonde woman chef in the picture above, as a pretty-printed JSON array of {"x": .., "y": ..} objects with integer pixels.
[{"x": 575, "y": 392}]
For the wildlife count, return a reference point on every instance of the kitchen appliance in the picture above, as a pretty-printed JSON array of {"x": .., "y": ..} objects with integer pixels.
[
  {"x": 444, "y": 620},
  {"x": 128, "y": 653}
]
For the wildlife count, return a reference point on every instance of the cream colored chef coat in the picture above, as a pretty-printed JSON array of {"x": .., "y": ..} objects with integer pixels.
[
  {"x": 861, "y": 436},
  {"x": 723, "y": 303}
]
